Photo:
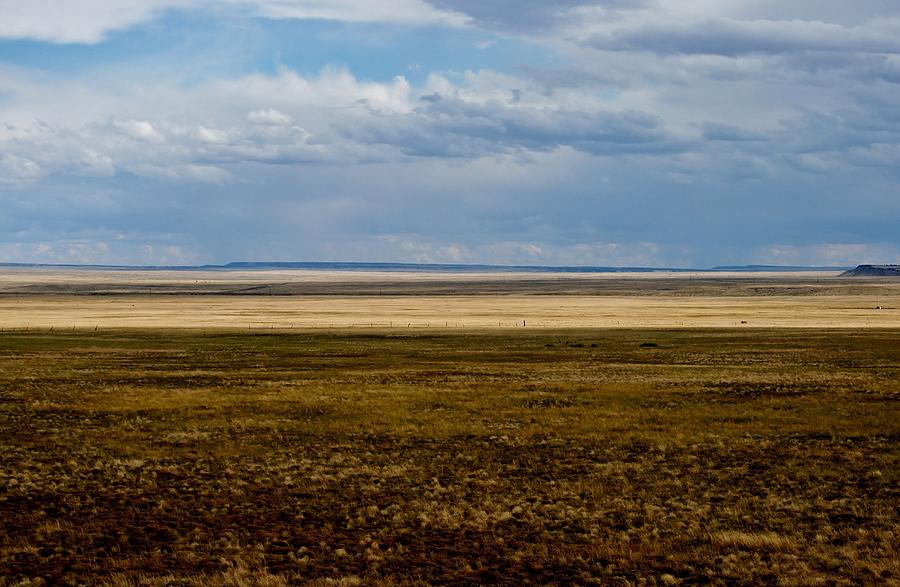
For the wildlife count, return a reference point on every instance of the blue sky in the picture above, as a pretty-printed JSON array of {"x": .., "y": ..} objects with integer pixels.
[{"x": 579, "y": 132}]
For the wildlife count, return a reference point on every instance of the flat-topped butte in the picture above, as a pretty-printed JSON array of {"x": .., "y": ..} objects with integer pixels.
[{"x": 874, "y": 271}]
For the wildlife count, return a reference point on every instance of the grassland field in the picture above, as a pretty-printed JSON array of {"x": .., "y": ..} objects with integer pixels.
[
  {"x": 89, "y": 300},
  {"x": 726, "y": 455}
]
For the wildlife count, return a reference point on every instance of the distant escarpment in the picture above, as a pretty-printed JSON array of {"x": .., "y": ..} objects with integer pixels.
[{"x": 873, "y": 271}]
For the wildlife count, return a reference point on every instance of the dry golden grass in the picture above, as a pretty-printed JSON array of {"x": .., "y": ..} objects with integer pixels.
[
  {"x": 730, "y": 457},
  {"x": 752, "y": 540},
  {"x": 401, "y": 312},
  {"x": 88, "y": 300}
]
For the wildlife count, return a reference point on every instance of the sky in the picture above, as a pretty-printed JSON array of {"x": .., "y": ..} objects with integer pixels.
[{"x": 665, "y": 133}]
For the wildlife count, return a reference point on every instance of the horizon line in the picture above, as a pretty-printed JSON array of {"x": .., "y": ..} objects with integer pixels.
[{"x": 413, "y": 266}]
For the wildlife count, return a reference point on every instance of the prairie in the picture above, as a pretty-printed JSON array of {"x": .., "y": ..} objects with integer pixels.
[
  {"x": 727, "y": 456},
  {"x": 90, "y": 300},
  {"x": 446, "y": 311}
]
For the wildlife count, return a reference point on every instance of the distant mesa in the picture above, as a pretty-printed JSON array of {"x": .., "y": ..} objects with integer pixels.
[
  {"x": 873, "y": 271},
  {"x": 422, "y": 267}
]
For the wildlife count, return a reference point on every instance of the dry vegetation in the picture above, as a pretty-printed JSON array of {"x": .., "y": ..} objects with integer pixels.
[
  {"x": 738, "y": 457},
  {"x": 400, "y": 313},
  {"x": 87, "y": 300}
]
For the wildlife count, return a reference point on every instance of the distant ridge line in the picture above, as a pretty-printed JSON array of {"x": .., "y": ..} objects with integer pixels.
[
  {"x": 873, "y": 271},
  {"x": 776, "y": 268},
  {"x": 417, "y": 267}
]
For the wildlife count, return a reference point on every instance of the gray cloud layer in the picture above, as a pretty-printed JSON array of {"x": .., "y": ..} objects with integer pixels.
[
  {"x": 667, "y": 132},
  {"x": 527, "y": 16}
]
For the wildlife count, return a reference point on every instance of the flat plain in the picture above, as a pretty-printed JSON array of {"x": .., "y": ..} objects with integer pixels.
[
  {"x": 88, "y": 300},
  {"x": 140, "y": 454}
]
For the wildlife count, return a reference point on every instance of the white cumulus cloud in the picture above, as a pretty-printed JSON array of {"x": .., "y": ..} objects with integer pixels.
[
  {"x": 91, "y": 21},
  {"x": 269, "y": 116}
]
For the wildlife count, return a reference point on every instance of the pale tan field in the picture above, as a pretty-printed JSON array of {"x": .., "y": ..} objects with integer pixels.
[
  {"x": 92, "y": 299},
  {"x": 65, "y": 312},
  {"x": 308, "y": 282}
]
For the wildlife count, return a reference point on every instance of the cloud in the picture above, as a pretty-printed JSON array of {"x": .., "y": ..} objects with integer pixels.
[
  {"x": 455, "y": 127},
  {"x": 74, "y": 21},
  {"x": 332, "y": 118},
  {"x": 140, "y": 130},
  {"x": 639, "y": 132},
  {"x": 91, "y": 21},
  {"x": 88, "y": 251},
  {"x": 732, "y": 37},
  {"x": 421, "y": 249},
  {"x": 528, "y": 16},
  {"x": 390, "y": 11},
  {"x": 830, "y": 254},
  {"x": 269, "y": 117},
  {"x": 333, "y": 88},
  {"x": 15, "y": 169},
  {"x": 189, "y": 172},
  {"x": 726, "y": 132}
]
